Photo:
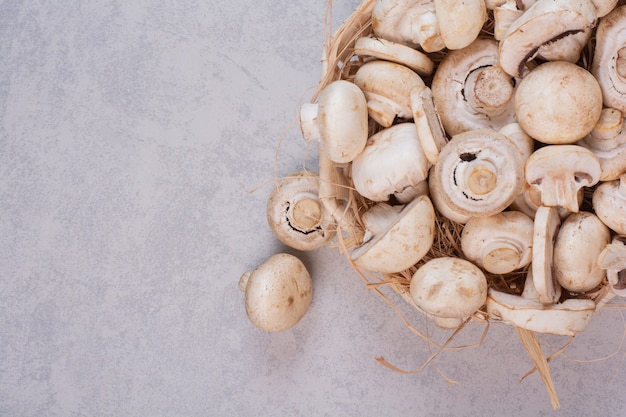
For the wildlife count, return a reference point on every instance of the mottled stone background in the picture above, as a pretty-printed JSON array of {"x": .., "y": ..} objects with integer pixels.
[{"x": 137, "y": 148}]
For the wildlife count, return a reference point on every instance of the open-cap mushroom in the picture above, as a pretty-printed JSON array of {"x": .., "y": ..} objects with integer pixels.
[
  {"x": 558, "y": 103},
  {"x": 478, "y": 173},
  {"x": 609, "y": 59},
  {"x": 395, "y": 52},
  {"x": 581, "y": 238},
  {"x": 460, "y": 22},
  {"x": 295, "y": 214},
  {"x": 339, "y": 120},
  {"x": 277, "y": 293},
  {"x": 545, "y": 229},
  {"x": 607, "y": 141},
  {"x": 392, "y": 163},
  {"x": 558, "y": 172},
  {"x": 449, "y": 290},
  {"x": 397, "y": 237},
  {"x": 412, "y": 22},
  {"x": 609, "y": 204},
  {"x": 471, "y": 91},
  {"x": 500, "y": 243},
  {"x": 543, "y": 23},
  {"x": 613, "y": 260},
  {"x": 387, "y": 87}
]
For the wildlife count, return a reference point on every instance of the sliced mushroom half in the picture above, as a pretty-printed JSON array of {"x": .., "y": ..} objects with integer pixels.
[
  {"x": 613, "y": 260},
  {"x": 607, "y": 141},
  {"x": 395, "y": 52},
  {"x": 546, "y": 227}
]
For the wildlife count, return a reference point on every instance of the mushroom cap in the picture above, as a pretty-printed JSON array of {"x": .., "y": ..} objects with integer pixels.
[
  {"x": 613, "y": 260},
  {"x": 460, "y": 22},
  {"x": 558, "y": 103},
  {"x": 542, "y": 23},
  {"x": 296, "y": 215},
  {"x": 478, "y": 173},
  {"x": 581, "y": 238},
  {"x": 406, "y": 237},
  {"x": 395, "y": 52},
  {"x": 471, "y": 91},
  {"x": 277, "y": 293},
  {"x": 392, "y": 160},
  {"x": 609, "y": 59},
  {"x": 609, "y": 204},
  {"x": 343, "y": 120},
  {"x": 500, "y": 243},
  {"x": 387, "y": 87},
  {"x": 449, "y": 287}
]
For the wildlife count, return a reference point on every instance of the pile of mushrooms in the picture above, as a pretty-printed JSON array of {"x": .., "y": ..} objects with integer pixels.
[{"x": 505, "y": 118}]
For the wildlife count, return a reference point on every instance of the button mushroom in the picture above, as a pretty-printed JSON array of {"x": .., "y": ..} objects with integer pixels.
[
  {"x": 277, "y": 293},
  {"x": 448, "y": 290},
  {"x": 394, "y": 52},
  {"x": 397, "y": 237},
  {"x": 392, "y": 163},
  {"x": 558, "y": 103},
  {"x": 471, "y": 91},
  {"x": 500, "y": 243},
  {"x": 609, "y": 60},
  {"x": 613, "y": 260},
  {"x": 609, "y": 204},
  {"x": 478, "y": 173},
  {"x": 607, "y": 141},
  {"x": 460, "y": 22},
  {"x": 295, "y": 214},
  {"x": 339, "y": 120},
  {"x": 581, "y": 238},
  {"x": 558, "y": 172}
]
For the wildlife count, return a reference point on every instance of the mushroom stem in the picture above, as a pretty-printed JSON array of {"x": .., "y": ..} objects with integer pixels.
[
  {"x": 501, "y": 257},
  {"x": 378, "y": 218},
  {"x": 481, "y": 177},
  {"x": 489, "y": 88},
  {"x": 306, "y": 213}
]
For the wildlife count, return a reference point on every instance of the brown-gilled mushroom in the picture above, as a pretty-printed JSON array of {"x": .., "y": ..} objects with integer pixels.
[
  {"x": 295, "y": 214},
  {"x": 581, "y": 238},
  {"x": 500, "y": 243},
  {"x": 387, "y": 87},
  {"x": 546, "y": 227},
  {"x": 460, "y": 22},
  {"x": 609, "y": 60},
  {"x": 607, "y": 141},
  {"x": 558, "y": 103},
  {"x": 543, "y": 23},
  {"x": 448, "y": 290},
  {"x": 478, "y": 173},
  {"x": 339, "y": 120},
  {"x": 395, "y": 52},
  {"x": 471, "y": 91},
  {"x": 277, "y": 293},
  {"x": 558, "y": 172},
  {"x": 392, "y": 163},
  {"x": 411, "y": 22},
  {"x": 397, "y": 237},
  {"x": 613, "y": 260},
  {"x": 609, "y": 204}
]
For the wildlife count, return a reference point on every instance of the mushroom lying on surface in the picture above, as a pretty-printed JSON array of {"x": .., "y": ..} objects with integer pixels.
[
  {"x": 394, "y": 52},
  {"x": 609, "y": 204},
  {"x": 558, "y": 172},
  {"x": 339, "y": 120},
  {"x": 277, "y": 293},
  {"x": 500, "y": 243},
  {"x": 478, "y": 173},
  {"x": 607, "y": 141},
  {"x": 295, "y": 214},
  {"x": 546, "y": 227},
  {"x": 581, "y": 238},
  {"x": 397, "y": 237},
  {"x": 613, "y": 260},
  {"x": 448, "y": 290},
  {"x": 558, "y": 103}
]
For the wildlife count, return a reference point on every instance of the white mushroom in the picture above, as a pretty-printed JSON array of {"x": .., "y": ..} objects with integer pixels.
[
  {"x": 609, "y": 204},
  {"x": 500, "y": 243},
  {"x": 558, "y": 103},
  {"x": 395, "y": 52},
  {"x": 277, "y": 293},
  {"x": 607, "y": 141},
  {"x": 471, "y": 90},
  {"x": 430, "y": 131},
  {"x": 609, "y": 60},
  {"x": 460, "y": 22},
  {"x": 339, "y": 120},
  {"x": 530, "y": 200},
  {"x": 581, "y": 238},
  {"x": 558, "y": 172},
  {"x": 392, "y": 163},
  {"x": 504, "y": 15},
  {"x": 543, "y": 23},
  {"x": 412, "y": 22},
  {"x": 546, "y": 227},
  {"x": 397, "y": 237},
  {"x": 295, "y": 214},
  {"x": 613, "y": 260},
  {"x": 479, "y": 173},
  {"x": 387, "y": 87},
  {"x": 448, "y": 290}
]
